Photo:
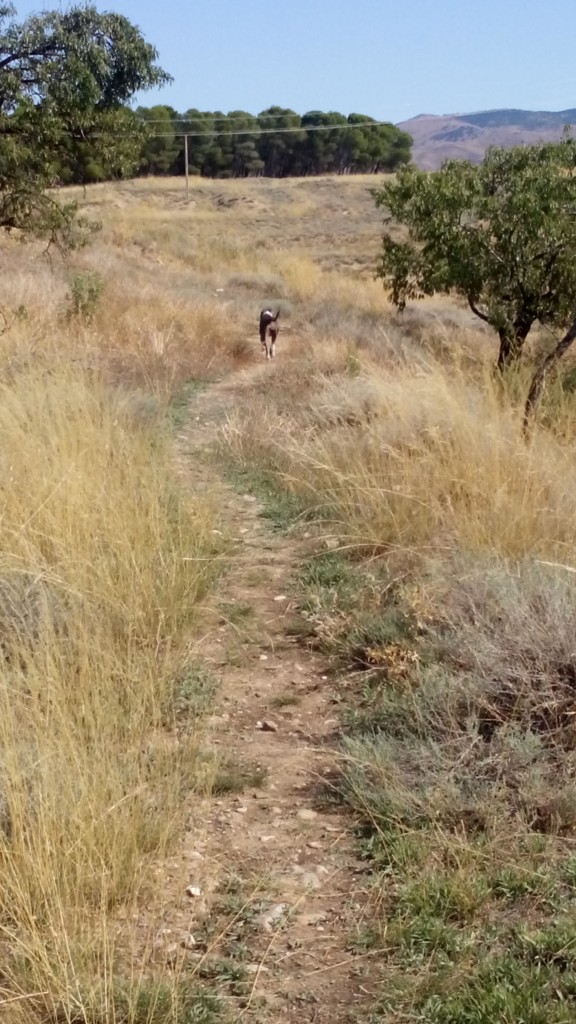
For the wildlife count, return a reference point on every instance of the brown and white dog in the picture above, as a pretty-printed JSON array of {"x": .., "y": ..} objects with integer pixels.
[{"x": 269, "y": 331}]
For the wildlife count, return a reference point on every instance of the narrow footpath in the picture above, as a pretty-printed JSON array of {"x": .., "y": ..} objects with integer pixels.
[{"x": 274, "y": 866}]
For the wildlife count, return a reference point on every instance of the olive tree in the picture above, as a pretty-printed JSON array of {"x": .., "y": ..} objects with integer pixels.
[{"x": 502, "y": 234}]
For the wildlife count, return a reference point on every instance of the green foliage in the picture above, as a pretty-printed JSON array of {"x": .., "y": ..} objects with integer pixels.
[
  {"x": 219, "y": 158},
  {"x": 446, "y": 897},
  {"x": 425, "y": 936},
  {"x": 276, "y": 149},
  {"x": 281, "y": 508},
  {"x": 372, "y": 148},
  {"x": 502, "y": 989},
  {"x": 327, "y": 570},
  {"x": 193, "y": 692},
  {"x": 501, "y": 234},
  {"x": 321, "y": 151},
  {"x": 161, "y": 148},
  {"x": 201, "y": 141},
  {"x": 85, "y": 293},
  {"x": 246, "y": 158},
  {"x": 276, "y": 143},
  {"x": 515, "y": 883},
  {"x": 147, "y": 1002},
  {"x": 65, "y": 77}
]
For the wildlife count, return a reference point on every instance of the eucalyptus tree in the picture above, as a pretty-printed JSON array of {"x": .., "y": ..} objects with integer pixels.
[{"x": 66, "y": 78}]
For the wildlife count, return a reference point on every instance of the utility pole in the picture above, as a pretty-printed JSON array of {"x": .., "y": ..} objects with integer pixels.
[{"x": 186, "y": 168}]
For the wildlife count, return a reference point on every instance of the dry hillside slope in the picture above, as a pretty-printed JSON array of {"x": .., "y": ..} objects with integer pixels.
[{"x": 468, "y": 136}]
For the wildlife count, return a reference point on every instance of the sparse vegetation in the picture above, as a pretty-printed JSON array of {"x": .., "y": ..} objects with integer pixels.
[{"x": 450, "y": 613}]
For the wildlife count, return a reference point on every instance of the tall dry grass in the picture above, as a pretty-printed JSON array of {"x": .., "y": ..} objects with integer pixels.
[
  {"x": 416, "y": 456},
  {"x": 102, "y": 564},
  {"x": 456, "y": 641},
  {"x": 375, "y": 421}
]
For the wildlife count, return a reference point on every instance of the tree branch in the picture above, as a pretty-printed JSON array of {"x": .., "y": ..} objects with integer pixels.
[
  {"x": 50, "y": 49},
  {"x": 542, "y": 372},
  {"x": 476, "y": 311}
]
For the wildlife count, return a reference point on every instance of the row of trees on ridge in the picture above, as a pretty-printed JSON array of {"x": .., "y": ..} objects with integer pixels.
[{"x": 277, "y": 143}]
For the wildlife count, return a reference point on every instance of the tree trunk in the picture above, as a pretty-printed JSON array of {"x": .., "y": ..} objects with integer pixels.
[
  {"x": 512, "y": 341},
  {"x": 542, "y": 372}
]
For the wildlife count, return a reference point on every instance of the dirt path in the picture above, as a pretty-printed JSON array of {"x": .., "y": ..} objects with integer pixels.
[{"x": 280, "y": 881}]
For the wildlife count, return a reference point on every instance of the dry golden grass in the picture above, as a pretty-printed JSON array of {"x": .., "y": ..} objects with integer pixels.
[
  {"x": 102, "y": 562},
  {"x": 453, "y": 617},
  {"x": 414, "y": 457},
  {"x": 391, "y": 428},
  {"x": 446, "y": 597}
]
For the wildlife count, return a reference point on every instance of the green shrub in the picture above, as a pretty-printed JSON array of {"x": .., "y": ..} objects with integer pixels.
[{"x": 86, "y": 290}]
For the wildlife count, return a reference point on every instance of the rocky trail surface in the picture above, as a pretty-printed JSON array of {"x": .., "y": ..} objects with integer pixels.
[{"x": 276, "y": 885}]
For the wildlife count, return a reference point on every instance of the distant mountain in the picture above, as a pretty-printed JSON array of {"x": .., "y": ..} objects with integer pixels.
[{"x": 467, "y": 136}]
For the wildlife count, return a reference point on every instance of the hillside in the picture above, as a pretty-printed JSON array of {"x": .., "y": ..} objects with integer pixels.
[{"x": 467, "y": 136}]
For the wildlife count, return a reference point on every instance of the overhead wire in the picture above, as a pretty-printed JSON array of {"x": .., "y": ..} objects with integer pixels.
[
  {"x": 256, "y": 130},
  {"x": 257, "y": 117},
  {"x": 214, "y": 132},
  {"x": 242, "y": 131}
]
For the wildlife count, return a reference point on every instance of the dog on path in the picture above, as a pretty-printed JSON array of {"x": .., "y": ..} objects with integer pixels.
[{"x": 269, "y": 328}]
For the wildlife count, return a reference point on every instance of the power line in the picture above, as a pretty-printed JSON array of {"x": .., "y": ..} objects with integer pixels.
[
  {"x": 214, "y": 133},
  {"x": 223, "y": 117},
  {"x": 216, "y": 117},
  {"x": 277, "y": 131},
  {"x": 238, "y": 117},
  {"x": 253, "y": 131}
]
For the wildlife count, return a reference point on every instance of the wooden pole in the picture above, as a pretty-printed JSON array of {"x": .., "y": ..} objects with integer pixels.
[{"x": 186, "y": 168}]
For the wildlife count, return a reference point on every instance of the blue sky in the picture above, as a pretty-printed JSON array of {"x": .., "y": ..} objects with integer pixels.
[{"x": 391, "y": 59}]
